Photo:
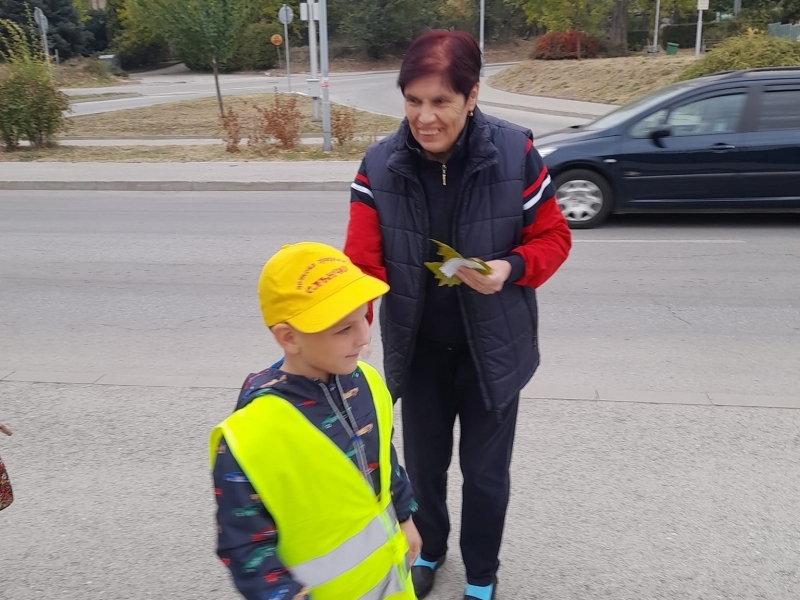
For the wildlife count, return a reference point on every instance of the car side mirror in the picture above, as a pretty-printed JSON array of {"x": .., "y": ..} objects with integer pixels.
[{"x": 658, "y": 135}]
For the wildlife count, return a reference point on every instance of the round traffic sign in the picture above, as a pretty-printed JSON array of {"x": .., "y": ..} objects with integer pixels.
[
  {"x": 276, "y": 40},
  {"x": 285, "y": 15}
]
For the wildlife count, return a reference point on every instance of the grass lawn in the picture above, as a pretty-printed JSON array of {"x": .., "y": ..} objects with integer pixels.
[
  {"x": 606, "y": 80},
  {"x": 200, "y": 118},
  {"x": 352, "y": 151}
]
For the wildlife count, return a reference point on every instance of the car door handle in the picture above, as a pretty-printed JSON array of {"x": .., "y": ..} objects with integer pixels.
[{"x": 722, "y": 147}]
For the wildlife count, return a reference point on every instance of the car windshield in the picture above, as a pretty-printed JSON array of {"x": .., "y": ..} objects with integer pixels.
[{"x": 639, "y": 106}]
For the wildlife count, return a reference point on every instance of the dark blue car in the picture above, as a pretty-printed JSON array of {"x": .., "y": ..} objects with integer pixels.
[{"x": 728, "y": 142}]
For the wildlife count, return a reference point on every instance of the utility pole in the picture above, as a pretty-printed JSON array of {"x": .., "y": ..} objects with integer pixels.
[
  {"x": 309, "y": 11},
  {"x": 658, "y": 24},
  {"x": 483, "y": 20},
  {"x": 323, "y": 52},
  {"x": 701, "y": 6}
]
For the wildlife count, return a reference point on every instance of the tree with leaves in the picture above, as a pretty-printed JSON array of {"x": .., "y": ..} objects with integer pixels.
[
  {"x": 208, "y": 29},
  {"x": 584, "y": 16}
]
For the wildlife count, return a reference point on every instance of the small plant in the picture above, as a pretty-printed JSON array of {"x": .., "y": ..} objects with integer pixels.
[
  {"x": 232, "y": 131},
  {"x": 750, "y": 50},
  {"x": 343, "y": 124},
  {"x": 279, "y": 121},
  {"x": 31, "y": 105},
  {"x": 559, "y": 45}
]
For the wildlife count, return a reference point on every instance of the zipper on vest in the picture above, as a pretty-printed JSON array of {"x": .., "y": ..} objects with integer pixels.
[{"x": 444, "y": 174}]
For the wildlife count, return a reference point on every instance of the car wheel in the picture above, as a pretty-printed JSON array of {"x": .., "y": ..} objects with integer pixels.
[{"x": 584, "y": 198}]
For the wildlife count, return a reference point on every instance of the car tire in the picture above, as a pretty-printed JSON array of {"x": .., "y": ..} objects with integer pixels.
[{"x": 584, "y": 197}]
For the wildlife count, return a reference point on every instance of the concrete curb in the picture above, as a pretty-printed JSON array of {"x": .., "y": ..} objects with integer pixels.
[
  {"x": 177, "y": 186},
  {"x": 539, "y": 111},
  {"x": 533, "y": 392}
]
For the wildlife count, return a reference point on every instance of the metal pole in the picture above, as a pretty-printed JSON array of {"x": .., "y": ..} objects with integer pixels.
[
  {"x": 323, "y": 52},
  {"x": 312, "y": 48},
  {"x": 699, "y": 34},
  {"x": 288, "y": 69},
  {"x": 483, "y": 19},
  {"x": 658, "y": 22}
]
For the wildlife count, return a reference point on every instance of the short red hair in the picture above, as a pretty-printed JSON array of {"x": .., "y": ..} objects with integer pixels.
[{"x": 454, "y": 55}]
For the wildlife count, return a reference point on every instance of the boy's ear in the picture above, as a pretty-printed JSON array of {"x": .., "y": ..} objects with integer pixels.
[{"x": 287, "y": 338}]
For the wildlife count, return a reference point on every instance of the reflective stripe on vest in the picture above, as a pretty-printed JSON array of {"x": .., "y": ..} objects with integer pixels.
[
  {"x": 389, "y": 585},
  {"x": 347, "y": 556}
]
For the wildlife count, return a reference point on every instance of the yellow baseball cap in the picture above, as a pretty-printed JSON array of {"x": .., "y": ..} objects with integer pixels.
[{"x": 313, "y": 286}]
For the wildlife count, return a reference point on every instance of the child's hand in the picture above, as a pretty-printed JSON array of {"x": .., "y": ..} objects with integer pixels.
[
  {"x": 414, "y": 540},
  {"x": 4, "y": 429}
]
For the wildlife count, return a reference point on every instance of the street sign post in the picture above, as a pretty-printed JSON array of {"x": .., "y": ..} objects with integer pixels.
[
  {"x": 310, "y": 12},
  {"x": 277, "y": 40},
  {"x": 701, "y": 6},
  {"x": 323, "y": 59},
  {"x": 41, "y": 20},
  {"x": 286, "y": 16}
]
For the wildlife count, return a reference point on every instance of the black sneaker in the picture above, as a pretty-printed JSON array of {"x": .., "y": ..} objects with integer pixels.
[
  {"x": 494, "y": 592},
  {"x": 424, "y": 578}
]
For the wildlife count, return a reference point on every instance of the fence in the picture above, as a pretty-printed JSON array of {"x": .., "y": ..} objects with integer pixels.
[{"x": 791, "y": 32}]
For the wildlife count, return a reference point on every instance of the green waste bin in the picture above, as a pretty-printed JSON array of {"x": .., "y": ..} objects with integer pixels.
[{"x": 672, "y": 49}]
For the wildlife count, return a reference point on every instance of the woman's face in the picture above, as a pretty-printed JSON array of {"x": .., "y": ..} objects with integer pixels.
[{"x": 436, "y": 113}]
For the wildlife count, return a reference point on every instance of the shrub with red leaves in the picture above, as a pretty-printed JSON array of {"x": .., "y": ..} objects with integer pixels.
[{"x": 559, "y": 45}]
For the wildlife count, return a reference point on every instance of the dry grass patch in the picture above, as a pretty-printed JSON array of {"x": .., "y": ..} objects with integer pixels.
[
  {"x": 145, "y": 154},
  {"x": 200, "y": 118},
  {"x": 606, "y": 80}
]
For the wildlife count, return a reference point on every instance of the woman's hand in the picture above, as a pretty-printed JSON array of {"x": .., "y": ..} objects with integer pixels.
[
  {"x": 4, "y": 429},
  {"x": 487, "y": 284},
  {"x": 413, "y": 538},
  {"x": 302, "y": 594}
]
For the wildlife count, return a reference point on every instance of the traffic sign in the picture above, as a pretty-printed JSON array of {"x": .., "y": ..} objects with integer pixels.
[
  {"x": 285, "y": 15},
  {"x": 703, "y": 4},
  {"x": 41, "y": 19},
  {"x": 276, "y": 39}
]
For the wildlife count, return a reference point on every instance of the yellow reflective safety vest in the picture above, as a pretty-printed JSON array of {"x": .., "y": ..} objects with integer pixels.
[{"x": 334, "y": 534}]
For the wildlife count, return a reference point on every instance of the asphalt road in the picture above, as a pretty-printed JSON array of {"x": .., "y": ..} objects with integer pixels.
[
  {"x": 619, "y": 500},
  {"x": 374, "y": 92}
]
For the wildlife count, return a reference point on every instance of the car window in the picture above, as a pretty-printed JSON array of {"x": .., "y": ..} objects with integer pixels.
[
  {"x": 629, "y": 110},
  {"x": 719, "y": 114},
  {"x": 649, "y": 124},
  {"x": 780, "y": 109}
]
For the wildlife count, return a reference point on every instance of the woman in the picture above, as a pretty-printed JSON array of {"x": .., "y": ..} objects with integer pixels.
[{"x": 475, "y": 183}]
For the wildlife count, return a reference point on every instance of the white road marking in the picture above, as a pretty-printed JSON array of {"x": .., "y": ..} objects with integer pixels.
[{"x": 659, "y": 241}]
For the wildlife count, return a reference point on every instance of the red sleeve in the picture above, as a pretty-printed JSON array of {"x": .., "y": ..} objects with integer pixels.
[
  {"x": 545, "y": 244},
  {"x": 546, "y": 238},
  {"x": 363, "y": 241}
]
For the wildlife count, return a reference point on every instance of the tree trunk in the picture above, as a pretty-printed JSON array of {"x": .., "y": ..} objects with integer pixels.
[
  {"x": 579, "y": 43},
  {"x": 216, "y": 83},
  {"x": 619, "y": 27}
]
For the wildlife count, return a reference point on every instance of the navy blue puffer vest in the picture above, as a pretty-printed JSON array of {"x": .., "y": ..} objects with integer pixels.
[{"x": 501, "y": 328}]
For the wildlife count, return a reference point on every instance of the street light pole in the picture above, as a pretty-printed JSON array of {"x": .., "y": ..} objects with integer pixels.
[
  {"x": 323, "y": 59},
  {"x": 483, "y": 19},
  {"x": 658, "y": 22}
]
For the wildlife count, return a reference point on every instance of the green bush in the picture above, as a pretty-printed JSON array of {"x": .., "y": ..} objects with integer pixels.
[
  {"x": 637, "y": 40},
  {"x": 31, "y": 105},
  {"x": 747, "y": 51},
  {"x": 255, "y": 50}
]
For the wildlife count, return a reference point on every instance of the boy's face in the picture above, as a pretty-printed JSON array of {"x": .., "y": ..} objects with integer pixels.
[{"x": 334, "y": 351}]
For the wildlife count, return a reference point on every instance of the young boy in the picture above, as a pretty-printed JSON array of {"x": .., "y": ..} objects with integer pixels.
[{"x": 312, "y": 502}]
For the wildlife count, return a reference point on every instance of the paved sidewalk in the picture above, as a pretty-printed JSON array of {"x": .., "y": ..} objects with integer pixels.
[
  {"x": 490, "y": 96},
  {"x": 175, "y": 177}
]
